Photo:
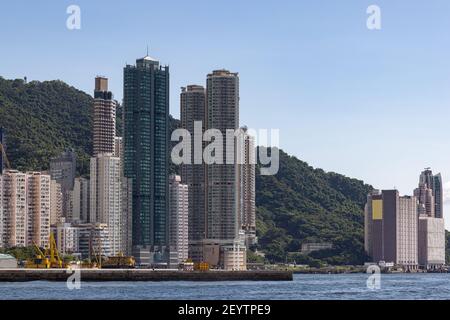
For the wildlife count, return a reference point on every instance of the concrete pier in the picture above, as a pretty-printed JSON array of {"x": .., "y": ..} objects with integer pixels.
[{"x": 23, "y": 275}]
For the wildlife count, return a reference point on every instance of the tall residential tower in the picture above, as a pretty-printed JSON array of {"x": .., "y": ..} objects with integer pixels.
[{"x": 146, "y": 117}]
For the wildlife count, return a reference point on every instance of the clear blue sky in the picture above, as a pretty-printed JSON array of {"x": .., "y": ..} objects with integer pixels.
[{"x": 369, "y": 104}]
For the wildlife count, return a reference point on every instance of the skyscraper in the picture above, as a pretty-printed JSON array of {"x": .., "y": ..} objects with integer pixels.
[
  {"x": 38, "y": 203},
  {"x": 13, "y": 217},
  {"x": 222, "y": 197},
  {"x": 56, "y": 202},
  {"x": 193, "y": 109},
  {"x": 431, "y": 238},
  {"x": 104, "y": 118},
  {"x": 179, "y": 211},
  {"x": 146, "y": 116},
  {"x": 433, "y": 182},
  {"x": 63, "y": 170},
  {"x": 247, "y": 167},
  {"x": 391, "y": 228},
  {"x": 106, "y": 197}
]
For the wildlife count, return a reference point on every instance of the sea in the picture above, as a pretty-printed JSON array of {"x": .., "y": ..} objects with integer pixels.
[{"x": 304, "y": 287}]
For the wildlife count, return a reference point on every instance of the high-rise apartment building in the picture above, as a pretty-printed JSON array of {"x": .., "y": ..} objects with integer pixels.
[
  {"x": 431, "y": 236},
  {"x": 431, "y": 242},
  {"x": 106, "y": 198},
  {"x": 391, "y": 228},
  {"x": 104, "y": 118},
  {"x": 247, "y": 171},
  {"x": 433, "y": 182},
  {"x": 80, "y": 201},
  {"x": 63, "y": 170},
  {"x": 56, "y": 202},
  {"x": 14, "y": 210},
  {"x": 222, "y": 180},
  {"x": 146, "y": 115},
  {"x": 178, "y": 219},
  {"x": 192, "y": 111},
  {"x": 38, "y": 203}
]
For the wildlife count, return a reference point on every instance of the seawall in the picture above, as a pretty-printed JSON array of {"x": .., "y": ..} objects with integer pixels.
[{"x": 23, "y": 275}]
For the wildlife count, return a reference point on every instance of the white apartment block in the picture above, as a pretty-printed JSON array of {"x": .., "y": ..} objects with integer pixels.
[
  {"x": 106, "y": 197},
  {"x": 38, "y": 200},
  {"x": 179, "y": 217},
  {"x": 407, "y": 232},
  {"x": 431, "y": 242},
  {"x": 14, "y": 211},
  {"x": 67, "y": 238}
]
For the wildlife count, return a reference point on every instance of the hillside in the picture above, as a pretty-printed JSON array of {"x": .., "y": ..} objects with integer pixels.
[
  {"x": 303, "y": 204},
  {"x": 299, "y": 204}
]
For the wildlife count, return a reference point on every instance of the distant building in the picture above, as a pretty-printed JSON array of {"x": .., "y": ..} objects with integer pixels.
[
  {"x": 56, "y": 202},
  {"x": 178, "y": 221},
  {"x": 146, "y": 156},
  {"x": 80, "y": 201},
  {"x": 222, "y": 197},
  {"x": 7, "y": 262},
  {"x": 391, "y": 228},
  {"x": 433, "y": 182},
  {"x": 193, "y": 109},
  {"x": 38, "y": 203},
  {"x": 431, "y": 236},
  {"x": 104, "y": 118},
  {"x": 431, "y": 242},
  {"x": 67, "y": 238},
  {"x": 63, "y": 170},
  {"x": 307, "y": 248},
  {"x": 14, "y": 209},
  {"x": 247, "y": 171},
  {"x": 106, "y": 198}
]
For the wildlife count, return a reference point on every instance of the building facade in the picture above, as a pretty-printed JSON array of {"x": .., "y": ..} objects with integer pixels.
[
  {"x": 56, "y": 202},
  {"x": 391, "y": 228},
  {"x": 222, "y": 179},
  {"x": 192, "y": 112},
  {"x": 179, "y": 218},
  {"x": 38, "y": 203},
  {"x": 247, "y": 168},
  {"x": 63, "y": 170},
  {"x": 106, "y": 198},
  {"x": 104, "y": 131},
  {"x": 146, "y": 156},
  {"x": 14, "y": 209}
]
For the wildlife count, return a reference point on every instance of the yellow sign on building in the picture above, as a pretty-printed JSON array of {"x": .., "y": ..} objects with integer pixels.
[{"x": 377, "y": 209}]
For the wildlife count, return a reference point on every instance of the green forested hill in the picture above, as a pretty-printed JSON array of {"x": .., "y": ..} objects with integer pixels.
[
  {"x": 42, "y": 119},
  {"x": 299, "y": 204},
  {"x": 303, "y": 204}
]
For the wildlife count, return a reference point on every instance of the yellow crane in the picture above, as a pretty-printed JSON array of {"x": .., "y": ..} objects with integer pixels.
[{"x": 49, "y": 259}]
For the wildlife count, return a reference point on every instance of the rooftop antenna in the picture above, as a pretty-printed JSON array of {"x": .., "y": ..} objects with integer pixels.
[{"x": 147, "y": 50}]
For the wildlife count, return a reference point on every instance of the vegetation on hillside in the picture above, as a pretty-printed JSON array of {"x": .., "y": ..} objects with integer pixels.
[{"x": 300, "y": 204}]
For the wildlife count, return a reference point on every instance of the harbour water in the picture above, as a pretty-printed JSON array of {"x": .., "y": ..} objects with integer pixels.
[{"x": 304, "y": 287}]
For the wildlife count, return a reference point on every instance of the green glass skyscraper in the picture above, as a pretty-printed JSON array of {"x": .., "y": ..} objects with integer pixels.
[{"x": 146, "y": 116}]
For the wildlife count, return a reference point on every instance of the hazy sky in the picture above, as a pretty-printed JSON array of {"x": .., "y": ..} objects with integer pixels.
[{"x": 374, "y": 105}]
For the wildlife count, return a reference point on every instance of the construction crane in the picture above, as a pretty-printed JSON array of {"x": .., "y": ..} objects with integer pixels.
[{"x": 49, "y": 259}]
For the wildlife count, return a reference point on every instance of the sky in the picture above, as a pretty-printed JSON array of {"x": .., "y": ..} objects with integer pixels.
[{"x": 370, "y": 104}]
